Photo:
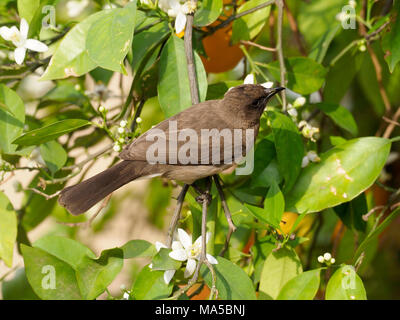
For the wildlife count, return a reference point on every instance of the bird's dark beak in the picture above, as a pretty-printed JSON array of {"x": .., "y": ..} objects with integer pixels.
[{"x": 274, "y": 91}]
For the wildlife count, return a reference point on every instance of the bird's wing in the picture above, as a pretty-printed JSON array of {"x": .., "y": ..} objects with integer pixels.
[{"x": 182, "y": 140}]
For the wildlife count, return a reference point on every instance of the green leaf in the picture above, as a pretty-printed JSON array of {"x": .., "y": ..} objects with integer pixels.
[
  {"x": 173, "y": 84},
  {"x": 274, "y": 205},
  {"x": 320, "y": 47},
  {"x": 345, "y": 284},
  {"x": 138, "y": 249},
  {"x": 95, "y": 275},
  {"x": 27, "y": 8},
  {"x": 217, "y": 90},
  {"x": 304, "y": 75},
  {"x": 338, "y": 82},
  {"x": 41, "y": 268},
  {"x": 374, "y": 235},
  {"x": 12, "y": 118},
  {"x": 232, "y": 282},
  {"x": 250, "y": 25},
  {"x": 302, "y": 287},
  {"x": 162, "y": 261},
  {"x": 67, "y": 250},
  {"x": 279, "y": 267},
  {"x": 391, "y": 40},
  {"x": 50, "y": 132},
  {"x": 71, "y": 57},
  {"x": 343, "y": 173},
  {"x": 150, "y": 285},
  {"x": 109, "y": 38},
  {"x": 317, "y": 17},
  {"x": 208, "y": 12},
  {"x": 8, "y": 230},
  {"x": 145, "y": 43},
  {"x": 53, "y": 155},
  {"x": 18, "y": 288},
  {"x": 340, "y": 115},
  {"x": 289, "y": 147}
]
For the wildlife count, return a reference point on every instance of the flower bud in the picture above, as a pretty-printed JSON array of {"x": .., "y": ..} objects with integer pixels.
[
  {"x": 299, "y": 102},
  {"x": 327, "y": 256},
  {"x": 321, "y": 259},
  {"x": 123, "y": 123}
]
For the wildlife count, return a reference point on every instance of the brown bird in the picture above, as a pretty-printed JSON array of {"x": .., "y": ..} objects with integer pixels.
[{"x": 179, "y": 147}]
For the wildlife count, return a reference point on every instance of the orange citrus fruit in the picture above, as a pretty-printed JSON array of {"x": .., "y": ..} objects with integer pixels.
[{"x": 221, "y": 55}]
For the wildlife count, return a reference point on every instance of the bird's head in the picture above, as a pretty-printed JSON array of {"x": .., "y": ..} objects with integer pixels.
[{"x": 251, "y": 98}]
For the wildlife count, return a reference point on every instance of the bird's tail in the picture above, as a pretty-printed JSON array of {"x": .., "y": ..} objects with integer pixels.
[{"x": 81, "y": 197}]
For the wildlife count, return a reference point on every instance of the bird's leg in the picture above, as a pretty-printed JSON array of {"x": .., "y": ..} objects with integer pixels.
[
  {"x": 205, "y": 199},
  {"x": 177, "y": 213},
  {"x": 228, "y": 215}
]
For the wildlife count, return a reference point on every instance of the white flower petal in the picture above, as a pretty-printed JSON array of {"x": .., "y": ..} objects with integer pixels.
[
  {"x": 24, "y": 28},
  {"x": 160, "y": 245},
  {"x": 304, "y": 162},
  {"x": 249, "y": 79},
  {"x": 268, "y": 85},
  {"x": 179, "y": 255},
  {"x": 151, "y": 266},
  {"x": 198, "y": 241},
  {"x": 36, "y": 45},
  {"x": 6, "y": 33},
  {"x": 184, "y": 238},
  {"x": 180, "y": 22},
  {"x": 19, "y": 55},
  {"x": 190, "y": 267},
  {"x": 168, "y": 274},
  {"x": 176, "y": 245},
  {"x": 211, "y": 259}
]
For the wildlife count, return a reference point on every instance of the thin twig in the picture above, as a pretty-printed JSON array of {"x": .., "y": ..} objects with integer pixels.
[
  {"x": 239, "y": 15},
  {"x": 279, "y": 48},
  {"x": 177, "y": 213},
  {"x": 194, "y": 90},
  {"x": 295, "y": 29},
  {"x": 228, "y": 215},
  {"x": 259, "y": 46},
  {"x": 47, "y": 196},
  {"x": 392, "y": 124},
  {"x": 89, "y": 158}
]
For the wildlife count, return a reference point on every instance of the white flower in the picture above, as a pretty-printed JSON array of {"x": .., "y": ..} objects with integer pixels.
[
  {"x": 311, "y": 156},
  {"x": 117, "y": 148},
  {"x": 292, "y": 111},
  {"x": 327, "y": 256},
  {"x": 299, "y": 102},
  {"x": 321, "y": 259},
  {"x": 102, "y": 109},
  {"x": 75, "y": 8},
  {"x": 185, "y": 250},
  {"x": 343, "y": 16},
  {"x": 176, "y": 10},
  {"x": 125, "y": 296},
  {"x": 249, "y": 79},
  {"x": 36, "y": 159},
  {"x": 146, "y": 2},
  {"x": 123, "y": 123},
  {"x": 307, "y": 130},
  {"x": 168, "y": 274},
  {"x": 30, "y": 88},
  {"x": 268, "y": 84},
  {"x": 20, "y": 39},
  {"x": 352, "y": 3}
]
